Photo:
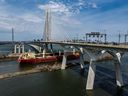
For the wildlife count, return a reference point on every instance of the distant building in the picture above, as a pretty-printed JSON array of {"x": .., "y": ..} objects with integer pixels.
[{"x": 96, "y": 37}]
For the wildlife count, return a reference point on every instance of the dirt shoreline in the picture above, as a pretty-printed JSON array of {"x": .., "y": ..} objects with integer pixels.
[
  {"x": 42, "y": 68},
  {"x": 38, "y": 69}
]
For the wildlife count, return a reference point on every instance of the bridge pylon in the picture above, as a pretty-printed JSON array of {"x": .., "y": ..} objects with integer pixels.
[{"x": 47, "y": 26}]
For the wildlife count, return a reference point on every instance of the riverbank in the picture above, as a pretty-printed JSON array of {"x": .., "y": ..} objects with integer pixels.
[
  {"x": 44, "y": 67},
  {"x": 40, "y": 68}
]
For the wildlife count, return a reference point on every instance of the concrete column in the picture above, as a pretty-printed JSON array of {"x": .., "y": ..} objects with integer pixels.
[
  {"x": 91, "y": 75},
  {"x": 15, "y": 47},
  {"x": 64, "y": 61},
  {"x": 39, "y": 49},
  {"x": 74, "y": 51},
  {"x": 19, "y": 48},
  {"x": 86, "y": 37},
  {"x": 51, "y": 48},
  {"x": 105, "y": 38},
  {"x": 44, "y": 52},
  {"x": 22, "y": 48},
  {"x": 119, "y": 79},
  {"x": 59, "y": 53},
  {"x": 81, "y": 61},
  {"x": 125, "y": 38},
  {"x": 81, "y": 58}
]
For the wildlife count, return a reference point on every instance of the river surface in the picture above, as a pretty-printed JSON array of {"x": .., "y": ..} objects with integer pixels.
[{"x": 69, "y": 82}]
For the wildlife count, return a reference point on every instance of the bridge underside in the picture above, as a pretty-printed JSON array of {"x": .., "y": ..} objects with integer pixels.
[{"x": 92, "y": 54}]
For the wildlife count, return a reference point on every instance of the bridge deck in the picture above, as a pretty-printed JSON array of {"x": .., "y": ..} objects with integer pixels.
[{"x": 106, "y": 46}]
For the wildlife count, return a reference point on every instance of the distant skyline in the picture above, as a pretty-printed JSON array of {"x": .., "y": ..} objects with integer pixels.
[{"x": 70, "y": 18}]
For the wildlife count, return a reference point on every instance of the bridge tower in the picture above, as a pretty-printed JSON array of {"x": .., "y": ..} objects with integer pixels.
[{"x": 47, "y": 26}]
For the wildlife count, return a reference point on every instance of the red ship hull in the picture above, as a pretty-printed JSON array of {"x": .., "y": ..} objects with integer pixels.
[{"x": 47, "y": 59}]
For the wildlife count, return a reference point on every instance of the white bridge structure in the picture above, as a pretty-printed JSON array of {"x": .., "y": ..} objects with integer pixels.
[{"x": 94, "y": 51}]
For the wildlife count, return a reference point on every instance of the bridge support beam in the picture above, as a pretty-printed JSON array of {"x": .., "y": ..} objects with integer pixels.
[
  {"x": 22, "y": 48},
  {"x": 64, "y": 61},
  {"x": 91, "y": 75},
  {"x": 81, "y": 58},
  {"x": 74, "y": 51},
  {"x": 119, "y": 79},
  {"x": 44, "y": 53},
  {"x": 19, "y": 49},
  {"x": 51, "y": 48},
  {"x": 40, "y": 49},
  {"x": 15, "y": 48},
  {"x": 59, "y": 53}
]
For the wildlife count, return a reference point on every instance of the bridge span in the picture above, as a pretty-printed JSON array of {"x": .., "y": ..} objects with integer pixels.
[
  {"x": 106, "y": 46},
  {"x": 94, "y": 52}
]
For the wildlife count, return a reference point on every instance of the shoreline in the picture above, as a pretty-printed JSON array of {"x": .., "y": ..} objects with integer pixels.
[{"x": 43, "y": 68}]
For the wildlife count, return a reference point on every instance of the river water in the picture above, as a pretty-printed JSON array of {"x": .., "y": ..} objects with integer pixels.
[{"x": 69, "y": 82}]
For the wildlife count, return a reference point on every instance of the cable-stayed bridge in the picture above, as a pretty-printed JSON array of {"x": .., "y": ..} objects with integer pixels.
[{"x": 93, "y": 51}]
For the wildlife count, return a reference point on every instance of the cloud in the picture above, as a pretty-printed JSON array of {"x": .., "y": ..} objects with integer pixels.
[
  {"x": 69, "y": 9},
  {"x": 55, "y": 7},
  {"x": 108, "y": 21},
  {"x": 94, "y": 5},
  {"x": 31, "y": 18},
  {"x": 81, "y": 2},
  {"x": 68, "y": 18},
  {"x": 2, "y": 1},
  {"x": 68, "y": 23},
  {"x": 23, "y": 23},
  {"x": 104, "y": 1}
]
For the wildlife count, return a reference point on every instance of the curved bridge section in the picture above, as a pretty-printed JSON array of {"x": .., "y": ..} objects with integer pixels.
[
  {"x": 94, "y": 51},
  {"x": 37, "y": 48}
]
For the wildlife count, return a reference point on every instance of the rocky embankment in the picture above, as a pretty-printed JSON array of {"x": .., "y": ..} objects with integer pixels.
[
  {"x": 44, "y": 67},
  {"x": 9, "y": 57},
  {"x": 41, "y": 68}
]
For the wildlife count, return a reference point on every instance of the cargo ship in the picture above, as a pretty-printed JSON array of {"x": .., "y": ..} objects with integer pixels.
[{"x": 32, "y": 58}]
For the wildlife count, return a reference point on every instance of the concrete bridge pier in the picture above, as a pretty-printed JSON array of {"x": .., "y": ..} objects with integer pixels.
[
  {"x": 22, "y": 47},
  {"x": 44, "y": 52},
  {"x": 92, "y": 68},
  {"x": 59, "y": 53},
  {"x": 64, "y": 61},
  {"x": 36, "y": 47},
  {"x": 15, "y": 48},
  {"x": 19, "y": 48},
  {"x": 119, "y": 79},
  {"x": 74, "y": 51},
  {"x": 91, "y": 75},
  {"x": 82, "y": 61},
  {"x": 45, "y": 48},
  {"x": 117, "y": 62},
  {"x": 81, "y": 58},
  {"x": 40, "y": 49},
  {"x": 51, "y": 48}
]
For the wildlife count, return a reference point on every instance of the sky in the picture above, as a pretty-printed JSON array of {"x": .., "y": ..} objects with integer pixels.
[{"x": 70, "y": 18}]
